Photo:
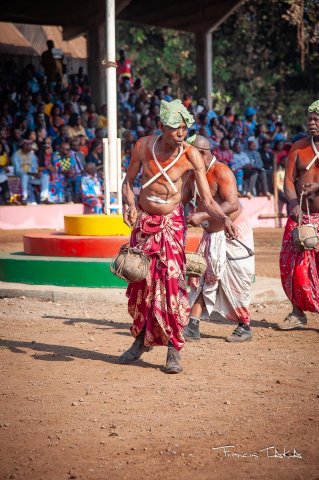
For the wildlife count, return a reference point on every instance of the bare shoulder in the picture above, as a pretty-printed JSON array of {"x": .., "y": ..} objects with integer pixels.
[
  {"x": 143, "y": 145},
  {"x": 300, "y": 144},
  {"x": 222, "y": 172},
  {"x": 191, "y": 153},
  {"x": 145, "y": 142}
]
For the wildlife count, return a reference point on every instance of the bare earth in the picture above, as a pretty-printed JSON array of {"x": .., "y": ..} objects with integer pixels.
[{"x": 69, "y": 411}]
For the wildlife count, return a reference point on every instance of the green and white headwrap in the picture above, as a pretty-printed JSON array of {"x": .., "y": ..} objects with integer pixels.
[
  {"x": 314, "y": 107},
  {"x": 174, "y": 113},
  {"x": 191, "y": 139}
]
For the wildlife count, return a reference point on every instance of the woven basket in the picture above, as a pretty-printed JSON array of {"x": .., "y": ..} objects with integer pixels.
[{"x": 195, "y": 264}]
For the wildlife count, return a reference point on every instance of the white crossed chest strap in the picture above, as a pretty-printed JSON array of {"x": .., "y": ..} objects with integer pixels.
[
  {"x": 196, "y": 192},
  {"x": 162, "y": 171},
  {"x": 316, "y": 157}
]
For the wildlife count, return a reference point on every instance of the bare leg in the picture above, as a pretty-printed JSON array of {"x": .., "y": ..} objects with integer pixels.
[
  {"x": 191, "y": 332},
  {"x": 197, "y": 308}
]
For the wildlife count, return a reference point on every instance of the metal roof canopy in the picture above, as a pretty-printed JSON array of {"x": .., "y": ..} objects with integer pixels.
[{"x": 187, "y": 15}]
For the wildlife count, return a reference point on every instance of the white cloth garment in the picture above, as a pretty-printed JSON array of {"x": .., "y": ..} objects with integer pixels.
[{"x": 226, "y": 283}]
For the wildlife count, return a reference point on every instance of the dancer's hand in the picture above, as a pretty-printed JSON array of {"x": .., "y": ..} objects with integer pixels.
[
  {"x": 231, "y": 230},
  {"x": 294, "y": 209},
  {"x": 195, "y": 219},
  {"x": 130, "y": 216}
]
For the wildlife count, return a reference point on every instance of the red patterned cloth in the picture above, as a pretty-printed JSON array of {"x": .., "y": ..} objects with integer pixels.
[
  {"x": 300, "y": 270},
  {"x": 160, "y": 302}
]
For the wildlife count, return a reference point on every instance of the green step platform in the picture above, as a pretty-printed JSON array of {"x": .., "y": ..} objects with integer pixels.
[{"x": 62, "y": 271}]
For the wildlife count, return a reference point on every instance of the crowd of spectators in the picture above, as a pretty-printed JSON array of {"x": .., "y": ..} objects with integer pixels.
[{"x": 51, "y": 148}]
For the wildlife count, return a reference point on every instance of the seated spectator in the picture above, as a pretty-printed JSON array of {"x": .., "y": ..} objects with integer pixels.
[
  {"x": 41, "y": 135},
  {"x": 15, "y": 141},
  {"x": 239, "y": 127},
  {"x": 267, "y": 158},
  {"x": 25, "y": 165},
  {"x": 279, "y": 133},
  {"x": 53, "y": 129},
  {"x": 5, "y": 112},
  {"x": 271, "y": 121},
  {"x": 78, "y": 170},
  {"x": 27, "y": 114},
  {"x": 102, "y": 119},
  {"x": 261, "y": 135},
  {"x": 95, "y": 154},
  {"x": 90, "y": 113},
  {"x": 215, "y": 131},
  {"x": 48, "y": 103},
  {"x": 4, "y": 184},
  {"x": 99, "y": 134},
  {"x": 201, "y": 107},
  {"x": 224, "y": 153},
  {"x": 279, "y": 151},
  {"x": 75, "y": 127},
  {"x": 60, "y": 138},
  {"x": 67, "y": 112},
  {"x": 4, "y": 135},
  {"x": 40, "y": 121},
  {"x": 90, "y": 129},
  {"x": 232, "y": 136},
  {"x": 240, "y": 160},
  {"x": 91, "y": 188},
  {"x": 83, "y": 145},
  {"x": 301, "y": 132},
  {"x": 31, "y": 135},
  {"x": 223, "y": 125},
  {"x": 255, "y": 172},
  {"x": 202, "y": 124},
  {"x": 167, "y": 93},
  {"x": 45, "y": 168},
  {"x": 146, "y": 123},
  {"x": 229, "y": 115},
  {"x": 249, "y": 124},
  {"x": 60, "y": 185}
]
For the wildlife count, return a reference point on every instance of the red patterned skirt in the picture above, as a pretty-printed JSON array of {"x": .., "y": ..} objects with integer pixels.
[
  {"x": 300, "y": 270},
  {"x": 159, "y": 304}
]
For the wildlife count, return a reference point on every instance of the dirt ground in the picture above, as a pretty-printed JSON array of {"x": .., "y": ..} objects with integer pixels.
[{"x": 68, "y": 410}]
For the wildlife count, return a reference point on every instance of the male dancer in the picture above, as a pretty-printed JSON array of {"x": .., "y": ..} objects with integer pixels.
[
  {"x": 159, "y": 304},
  {"x": 300, "y": 269},
  {"x": 225, "y": 286}
]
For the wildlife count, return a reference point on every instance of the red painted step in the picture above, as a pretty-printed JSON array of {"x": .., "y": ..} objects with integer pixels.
[{"x": 60, "y": 245}]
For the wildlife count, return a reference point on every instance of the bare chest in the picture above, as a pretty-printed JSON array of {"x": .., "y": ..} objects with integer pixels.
[
  {"x": 306, "y": 171},
  {"x": 175, "y": 172}
]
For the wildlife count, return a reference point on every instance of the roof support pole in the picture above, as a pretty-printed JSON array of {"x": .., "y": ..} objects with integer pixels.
[
  {"x": 112, "y": 172},
  {"x": 95, "y": 51},
  {"x": 204, "y": 60},
  {"x": 111, "y": 95}
]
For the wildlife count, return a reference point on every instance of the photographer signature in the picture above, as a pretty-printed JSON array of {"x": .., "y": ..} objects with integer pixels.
[{"x": 268, "y": 452}]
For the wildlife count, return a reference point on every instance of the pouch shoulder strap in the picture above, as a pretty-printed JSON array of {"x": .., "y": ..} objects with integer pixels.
[
  {"x": 316, "y": 157},
  {"x": 162, "y": 171},
  {"x": 300, "y": 209}
]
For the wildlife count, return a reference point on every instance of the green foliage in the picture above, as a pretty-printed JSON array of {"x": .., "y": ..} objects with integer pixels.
[
  {"x": 265, "y": 68},
  {"x": 266, "y": 54},
  {"x": 159, "y": 56}
]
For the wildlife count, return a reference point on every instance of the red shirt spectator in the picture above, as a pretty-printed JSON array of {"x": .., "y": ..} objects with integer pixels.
[{"x": 224, "y": 154}]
